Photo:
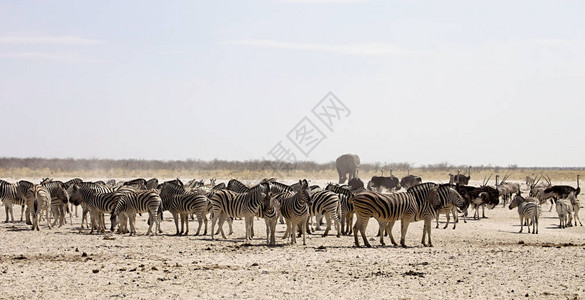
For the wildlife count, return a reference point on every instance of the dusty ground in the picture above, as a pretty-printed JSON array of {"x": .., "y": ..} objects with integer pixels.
[{"x": 486, "y": 258}]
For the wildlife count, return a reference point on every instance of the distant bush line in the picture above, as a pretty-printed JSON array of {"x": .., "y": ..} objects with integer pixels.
[{"x": 71, "y": 165}]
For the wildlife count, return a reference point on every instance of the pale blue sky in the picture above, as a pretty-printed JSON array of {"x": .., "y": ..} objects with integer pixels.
[{"x": 498, "y": 82}]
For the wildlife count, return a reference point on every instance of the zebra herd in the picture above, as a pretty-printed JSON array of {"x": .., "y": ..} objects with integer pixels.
[{"x": 295, "y": 205}]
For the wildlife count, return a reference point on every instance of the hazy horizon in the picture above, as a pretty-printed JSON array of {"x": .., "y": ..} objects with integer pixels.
[{"x": 493, "y": 83}]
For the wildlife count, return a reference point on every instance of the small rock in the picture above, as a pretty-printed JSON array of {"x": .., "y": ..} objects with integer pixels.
[
  {"x": 83, "y": 254},
  {"x": 154, "y": 268},
  {"x": 521, "y": 243},
  {"x": 358, "y": 256},
  {"x": 254, "y": 264},
  {"x": 265, "y": 272},
  {"x": 95, "y": 271}
]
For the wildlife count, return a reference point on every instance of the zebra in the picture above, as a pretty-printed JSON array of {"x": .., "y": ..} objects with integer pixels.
[
  {"x": 345, "y": 207},
  {"x": 325, "y": 203},
  {"x": 22, "y": 192},
  {"x": 39, "y": 200},
  {"x": 526, "y": 211},
  {"x": 268, "y": 211},
  {"x": 448, "y": 211},
  {"x": 96, "y": 202},
  {"x": 80, "y": 200},
  {"x": 59, "y": 201},
  {"x": 138, "y": 183},
  {"x": 151, "y": 183},
  {"x": 227, "y": 203},
  {"x": 431, "y": 198},
  {"x": 181, "y": 203},
  {"x": 129, "y": 204},
  {"x": 9, "y": 195},
  {"x": 564, "y": 211},
  {"x": 237, "y": 186},
  {"x": 295, "y": 210},
  {"x": 576, "y": 207},
  {"x": 384, "y": 208}
]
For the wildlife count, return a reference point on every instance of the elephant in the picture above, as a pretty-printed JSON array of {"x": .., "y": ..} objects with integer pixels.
[{"x": 347, "y": 164}]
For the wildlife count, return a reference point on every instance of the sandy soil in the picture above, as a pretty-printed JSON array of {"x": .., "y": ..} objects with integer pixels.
[{"x": 484, "y": 258}]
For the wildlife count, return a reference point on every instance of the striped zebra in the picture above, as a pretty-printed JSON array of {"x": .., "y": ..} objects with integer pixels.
[
  {"x": 385, "y": 208},
  {"x": 80, "y": 200},
  {"x": 448, "y": 211},
  {"x": 529, "y": 211},
  {"x": 431, "y": 198},
  {"x": 564, "y": 211},
  {"x": 129, "y": 204},
  {"x": 22, "y": 192},
  {"x": 10, "y": 196},
  {"x": 268, "y": 211},
  {"x": 295, "y": 210},
  {"x": 279, "y": 188},
  {"x": 138, "y": 183},
  {"x": 227, "y": 203},
  {"x": 235, "y": 185},
  {"x": 96, "y": 202},
  {"x": 59, "y": 201},
  {"x": 181, "y": 203},
  {"x": 576, "y": 207},
  {"x": 151, "y": 184},
  {"x": 346, "y": 207},
  {"x": 325, "y": 203},
  {"x": 39, "y": 200}
]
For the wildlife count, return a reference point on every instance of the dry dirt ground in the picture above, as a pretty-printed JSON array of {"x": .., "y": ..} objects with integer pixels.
[{"x": 484, "y": 258}]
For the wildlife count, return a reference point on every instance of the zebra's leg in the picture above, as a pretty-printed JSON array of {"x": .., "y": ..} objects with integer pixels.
[
  {"x": 131, "y": 220},
  {"x": 186, "y": 221},
  {"x": 267, "y": 223},
  {"x": 355, "y": 232},
  {"x": 521, "y": 224},
  {"x": 382, "y": 225},
  {"x": 448, "y": 219},
  {"x": 304, "y": 235},
  {"x": 8, "y": 210},
  {"x": 176, "y": 220},
  {"x": 337, "y": 224},
  {"x": 328, "y": 219},
  {"x": 200, "y": 217},
  {"x": 388, "y": 229},
  {"x": 287, "y": 232},
  {"x": 293, "y": 232},
  {"x": 535, "y": 224},
  {"x": 318, "y": 221},
  {"x": 362, "y": 230},
  {"x": 214, "y": 218},
  {"x": 437, "y": 219},
  {"x": 576, "y": 212},
  {"x": 252, "y": 228},
  {"x": 151, "y": 222},
  {"x": 403, "y": 229},
  {"x": 249, "y": 221},
  {"x": 342, "y": 221},
  {"x": 222, "y": 218},
  {"x": 350, "y": 222},
  {"x": 230, "y": 221},
  {"x": 21, "y": 213},
  {"x": 427, "y": 231},
  {"x": 455, "y": 217}
]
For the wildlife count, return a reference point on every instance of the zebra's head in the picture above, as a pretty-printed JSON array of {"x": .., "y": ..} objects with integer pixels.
[
  {"x": 434, "y": 199},
  {"x": 267, "y": 202},
  {"x": 75, "y": 196},
  {"x": 305, "y": 191},
  {"x": 516, "y": 201}
]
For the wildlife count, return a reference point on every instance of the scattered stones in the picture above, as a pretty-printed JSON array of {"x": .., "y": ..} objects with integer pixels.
[
  {"x": 414, "y": 273},
  {"x": 83, "y": 254},
  {"x": 95, "y": 271}
]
